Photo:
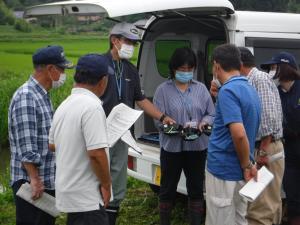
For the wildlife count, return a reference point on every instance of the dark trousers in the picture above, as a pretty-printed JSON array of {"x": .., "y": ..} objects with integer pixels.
[
  {"x": 193, "y": 165},
  {"x": 95, "y": 217},
  {"x": 26, "y": 213},
  {"x": 291, "y": 179}
]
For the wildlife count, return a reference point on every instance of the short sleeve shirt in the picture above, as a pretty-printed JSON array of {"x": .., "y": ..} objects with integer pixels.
[
  {"x": 129, "y": 89},
  {"x": 237, "y": 102},
  {"x": 79, "y": 125}
]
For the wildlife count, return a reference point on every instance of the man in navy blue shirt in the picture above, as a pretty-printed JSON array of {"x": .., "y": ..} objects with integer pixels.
[
  {"x": 123, "y": 87},
  {"x": 231, "y": 145}
]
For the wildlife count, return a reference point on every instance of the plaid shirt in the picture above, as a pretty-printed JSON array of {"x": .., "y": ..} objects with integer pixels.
[
  {"x": 29, "y": 118},
  {"x": 271, "y": 116}
]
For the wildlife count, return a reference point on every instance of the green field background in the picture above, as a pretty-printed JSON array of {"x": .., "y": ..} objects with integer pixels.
[{"x": 16, "y": 49}]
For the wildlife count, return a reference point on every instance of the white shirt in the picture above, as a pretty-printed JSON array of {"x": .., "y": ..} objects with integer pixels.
[{"x": 79, "y": 125}]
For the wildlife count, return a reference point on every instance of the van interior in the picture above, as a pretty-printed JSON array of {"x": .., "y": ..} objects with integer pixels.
[{"x": 162, "y": 37}]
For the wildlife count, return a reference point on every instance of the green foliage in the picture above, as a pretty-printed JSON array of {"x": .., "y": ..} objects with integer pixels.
[
  {"x": 6, "y": 16},
  {"x": 22, "y": 25}
]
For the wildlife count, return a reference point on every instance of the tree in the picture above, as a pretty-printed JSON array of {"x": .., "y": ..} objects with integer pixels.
[{"x": 6, "y": 16}]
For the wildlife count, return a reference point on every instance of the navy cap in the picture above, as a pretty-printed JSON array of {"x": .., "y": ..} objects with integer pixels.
[
  {"x": 51, "y": 55},
  {"x": 127, "y": 30},
  {"x": 94, "y": 64},
  {"x": 282, "y": 57}
]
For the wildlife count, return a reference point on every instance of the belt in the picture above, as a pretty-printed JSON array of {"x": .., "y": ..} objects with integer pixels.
[{"x": 257, "y": 143}]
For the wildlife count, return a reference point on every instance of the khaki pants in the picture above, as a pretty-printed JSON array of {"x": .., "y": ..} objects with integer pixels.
[
  {"x": 223, "y": 203},
  {"x": 267, "y": 209}
]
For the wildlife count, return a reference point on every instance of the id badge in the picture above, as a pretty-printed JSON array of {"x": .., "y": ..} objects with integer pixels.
[{"x": 192, "y": 124}]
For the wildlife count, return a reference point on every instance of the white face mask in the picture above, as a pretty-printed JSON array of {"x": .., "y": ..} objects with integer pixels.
[
  {"x": 58, "y": 83},
  {"x": 272, "y": 73},
  {"x": 126, "y": 51},
  {"x": 276, "y": 81}
]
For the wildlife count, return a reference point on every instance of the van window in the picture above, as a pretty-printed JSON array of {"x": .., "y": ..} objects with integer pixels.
[
  {"x": 163, "y": 52},
  {"x": 210, "y": 46},
  {"x": 265, "y": 48}
]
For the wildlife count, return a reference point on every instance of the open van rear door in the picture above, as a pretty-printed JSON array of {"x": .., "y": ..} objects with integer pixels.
[{"x": 116, "y": 8}]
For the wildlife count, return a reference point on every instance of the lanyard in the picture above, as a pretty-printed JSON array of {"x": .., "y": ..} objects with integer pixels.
[
  {"x": 185, "y": 100},
  {"x": 118, "y": 71}
]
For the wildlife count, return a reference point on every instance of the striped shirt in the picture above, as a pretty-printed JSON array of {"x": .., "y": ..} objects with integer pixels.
[
  {"x": 195, "y": 104},
  {"x": 29, "y": 118},
  {"x": 271, "y": 113}
]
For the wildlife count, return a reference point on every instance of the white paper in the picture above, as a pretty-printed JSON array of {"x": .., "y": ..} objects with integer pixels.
[
  {"x": 120, "y": 119},
  {"x": 45, "y": 203},
  {"x": 254, "y": 188},
  {"x": 128, "y": 139}
]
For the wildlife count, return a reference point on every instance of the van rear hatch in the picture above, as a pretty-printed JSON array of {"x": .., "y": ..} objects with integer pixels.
[{"x": 116, "y": 8}]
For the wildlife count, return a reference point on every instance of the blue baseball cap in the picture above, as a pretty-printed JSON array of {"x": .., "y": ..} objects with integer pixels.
[
  {"x": 94, "y": 64},
  {"x": 282, "y": 57},
  {"x": 51, "y": 55}
]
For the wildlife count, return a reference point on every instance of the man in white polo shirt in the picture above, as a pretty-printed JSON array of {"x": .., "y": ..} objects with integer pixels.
[{"x": 79, "y": 137}]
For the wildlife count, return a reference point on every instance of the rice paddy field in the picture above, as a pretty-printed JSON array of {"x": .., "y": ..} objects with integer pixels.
[{"x": 16, "y": 49}]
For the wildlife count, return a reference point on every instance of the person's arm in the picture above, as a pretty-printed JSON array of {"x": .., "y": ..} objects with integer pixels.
[
  {"x": 152, "y": 111},
  {"x": 242, "y": 149},
  {"x": 95, "y": 135},
  {"x": 52, "y": 147},
  {"x": 51, "y": 138},
  {"x": 213, "y": 89},
  {"x": 25, "y": 119},
  {"x": 99, "y": 164},
  {"x": 269, "y": 119},
  {"x": 209, "y": 112},
  {"x": 35, "y": 181}
]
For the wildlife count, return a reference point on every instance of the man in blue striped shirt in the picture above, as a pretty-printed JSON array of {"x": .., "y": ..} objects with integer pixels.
[{"x": 29, "y": 117}]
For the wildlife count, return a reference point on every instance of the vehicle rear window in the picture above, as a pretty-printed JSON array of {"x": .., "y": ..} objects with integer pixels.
[
  {"x": 210, "y": 46},
  {"x": 164, "y": 50}
]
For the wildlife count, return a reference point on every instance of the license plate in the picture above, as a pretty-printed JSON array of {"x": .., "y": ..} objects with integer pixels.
[{"x": 157, "y": 175}]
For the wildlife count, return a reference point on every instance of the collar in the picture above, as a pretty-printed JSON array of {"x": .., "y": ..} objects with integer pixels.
[
  {"x": 38, "y": 86},
  {"x": 252, "y": 72},
  {"x": 234, "y": 78},
  {"x": 84, "y": 91}
]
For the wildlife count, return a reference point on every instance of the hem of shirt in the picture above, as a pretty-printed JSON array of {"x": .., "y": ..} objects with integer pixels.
[
  {"x": 78, "y": 209},
  {"x": 96, "y": 146},
  {"x": 222, "y": 178}
]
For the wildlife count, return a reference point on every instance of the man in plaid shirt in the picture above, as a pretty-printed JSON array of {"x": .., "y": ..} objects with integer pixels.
[
  {"x": 267, "y": 208},
  {"x": 30, "y": 115}
]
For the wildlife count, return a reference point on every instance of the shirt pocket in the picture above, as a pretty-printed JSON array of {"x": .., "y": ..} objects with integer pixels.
[{"x": 221, "y": 202}]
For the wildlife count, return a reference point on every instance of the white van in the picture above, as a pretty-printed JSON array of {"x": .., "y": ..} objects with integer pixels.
[{"x": 202, "y": 25}]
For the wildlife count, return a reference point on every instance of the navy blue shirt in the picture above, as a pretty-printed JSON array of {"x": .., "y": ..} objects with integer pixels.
[
  {"x": 237, "y": 102},
  {"x": 291, "y": 108},
  {"x": 123, "y": 85}
]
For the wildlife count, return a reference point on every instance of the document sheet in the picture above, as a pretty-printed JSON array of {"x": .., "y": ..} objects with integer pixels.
[
  {"x": 45, "y": 203},
  {"x": 120, "y": 119},
  {"x": 128, "y": 139},
  {"x": 253, "y": 188}
]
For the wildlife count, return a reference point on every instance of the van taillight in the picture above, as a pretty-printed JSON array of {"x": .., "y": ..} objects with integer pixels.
[{"x": 131, "y": 163}]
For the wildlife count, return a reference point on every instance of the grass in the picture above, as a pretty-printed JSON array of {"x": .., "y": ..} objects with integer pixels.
[
  {"x": 139, "y": 207},
  {"x": 141, "y": 204}
]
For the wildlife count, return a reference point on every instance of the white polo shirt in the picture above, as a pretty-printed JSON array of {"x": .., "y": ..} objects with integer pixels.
[{"x": 79, "y": 125}]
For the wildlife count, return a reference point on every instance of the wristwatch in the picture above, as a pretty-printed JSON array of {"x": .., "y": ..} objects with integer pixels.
[
  {"x": 262, "y": 153},
  {"x": 163, "y": 116},
  {"x": 249, "y": 166}
]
